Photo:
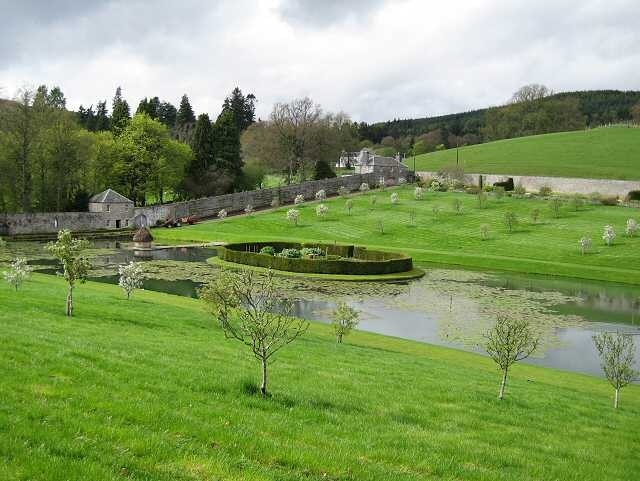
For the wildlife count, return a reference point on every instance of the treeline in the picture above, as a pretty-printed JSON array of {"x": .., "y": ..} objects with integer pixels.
[
  {"x": 53, "y": 159},
  {"x": 534, "y": 109}
]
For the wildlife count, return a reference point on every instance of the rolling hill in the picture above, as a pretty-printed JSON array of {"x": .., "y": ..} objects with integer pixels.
[{"x": 603, "y": 153}]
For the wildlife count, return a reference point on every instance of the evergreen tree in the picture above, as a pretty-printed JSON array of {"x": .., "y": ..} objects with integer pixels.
[
  {"x": 322, "y": 170},
  {"x": 120, "y": 115},
  {"x": 242, "y": 107},
  {"x": 227, "y": 145},
  {"x": 102, "y": 117},
  {"x": 167, "y": 114},
  {"x": 202, "y": 146},
  {"x": 149, "y": 107},
  {"x": 185, "y": 114},
  {"x": 56, "y": 99}
]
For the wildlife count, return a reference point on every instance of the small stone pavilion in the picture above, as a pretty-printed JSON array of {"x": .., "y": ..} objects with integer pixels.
[
  {"x": 116, "y": 209},
  {"x": 142, "y": 239}
]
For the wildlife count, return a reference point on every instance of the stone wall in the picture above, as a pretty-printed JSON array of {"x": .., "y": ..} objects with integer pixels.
[
  {"x": 563, "y": 185},
  {"x": 43, "y": 223},
  {"x": 236, "y": 202}
]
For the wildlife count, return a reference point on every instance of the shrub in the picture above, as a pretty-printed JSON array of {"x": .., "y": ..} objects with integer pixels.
[
  {"x": 364, "y": 187},
  {"x": 418, "y": 193},
  {"x": 248, "y": 209},
  {"x": 290, "y": 253},
  {"x": 343, "y": 191},
  {"x": 585, "y": 245},
  {"x": 299, "y": 199},
  {"x": 632, "y": 227},
  {"x": 348, "y": 205},
  {"x": 482, "y": 200},
  {"x": 312, "y": 252},
  {"x": 488, "y": 188},
  {"x": 535, "y": 215},
  {"x": 519, "y": 190},
  {"x": 3, "y": 243},
  {"x": 611, "y": 200},
  {"x": 576, "y": 202},
  {"x": 435, "y": 185},
  {"x": 322, "y": 210},
  {"x": 545, "y": 191},
  {"x": 595, "y": 197},
  {"x": 293, "y": 215},
  {"x": 268, "y": 250},
  {"x": 609, "y": 235},
  {"x": 473, "y": 189},
  {"x": 633, "y": 195},
  {"x": 395, "y": 198},
  {"x": 222, "y": 214},
  {"x": 484, "y": 231},
  {"x": 321, "y": 195}
]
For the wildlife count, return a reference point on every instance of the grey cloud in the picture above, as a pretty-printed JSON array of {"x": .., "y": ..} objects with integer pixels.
[{"x": 324, "y": 13}]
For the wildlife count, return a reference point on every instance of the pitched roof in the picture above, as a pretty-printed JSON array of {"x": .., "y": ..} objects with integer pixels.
[{"x": 110, "y": 196}]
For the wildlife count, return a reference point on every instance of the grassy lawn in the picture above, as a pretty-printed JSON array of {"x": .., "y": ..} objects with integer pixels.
[
  {"x": 604, "y": 153},
  {"x": 149, "y": 389},
  {"x": 550, "y": 246}
]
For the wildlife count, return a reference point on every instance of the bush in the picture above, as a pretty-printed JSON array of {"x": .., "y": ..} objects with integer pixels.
[
  {"x": 488, "y": 188},
  {"x": 436, "y": 186},
  {"x": 321, "y": 195},
  {"x": 633, "y": 195},
  {"x": 519, "y": 190},
  {"x": 364, "y": 187},
  {"x": 545, "y": 191},
  {"x": 268, "y": 250},
  {"x": 322, "y": 210},
  {"x": 312, "y": 252},
  {"x": 299, "y": 199},
  {"x": 248, "y": 209},
  {"x": 395, "y": 198},
  {"x": 595, "y": 197},
  {"x": 290, "y": 253}
]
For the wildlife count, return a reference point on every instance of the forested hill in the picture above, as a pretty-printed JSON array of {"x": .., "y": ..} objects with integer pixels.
[{"x": 553, "y": 113}]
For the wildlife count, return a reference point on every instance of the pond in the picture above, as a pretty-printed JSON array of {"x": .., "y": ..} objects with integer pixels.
[{"x": 451, "y": 307}]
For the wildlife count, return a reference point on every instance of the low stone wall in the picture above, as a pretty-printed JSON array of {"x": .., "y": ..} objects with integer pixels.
[
  {"x": 236, "y": 202},
  {"x": 563, "y": 185},
  {"x": 40, "y": 223}
]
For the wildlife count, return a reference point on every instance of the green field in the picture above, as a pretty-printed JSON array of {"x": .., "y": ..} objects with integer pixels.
[
  {"x": 149, "y": 389},
  {"x": 603, "y": 153},
  {"x": 550, "y": 246}
]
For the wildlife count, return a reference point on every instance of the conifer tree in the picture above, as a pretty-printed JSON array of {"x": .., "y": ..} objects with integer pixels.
[
  {"x": 167, "y": 114},
  {"x": 227, "y": 145},
  {"x": 120, "y": 114},
  {"x": 102, "y": 117},
  {"x": 242, "y": 107},
  {"x": 185, "y": 113},
  {"x": 202, "y": 146}
]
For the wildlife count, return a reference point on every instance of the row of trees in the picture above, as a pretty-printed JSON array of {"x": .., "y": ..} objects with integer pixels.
[{"x": 53, "y": 159}]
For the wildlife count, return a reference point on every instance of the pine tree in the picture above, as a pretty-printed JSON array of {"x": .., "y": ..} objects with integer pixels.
[
  {"x": 102, "y": 117},
  {"x": 120, "y": 115},
  {"x": 167, "y": 114},
  {"x": 242, "y": 107},
  {"x": 185, "y": 114},
  {"x": 202, "y": 146},
  {"x": 227, "y": 145},
  {"x": 322, "y": 170}
]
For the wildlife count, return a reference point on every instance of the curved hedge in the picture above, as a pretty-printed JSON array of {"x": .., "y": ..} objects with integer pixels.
[{"x": 356, "y": 260}]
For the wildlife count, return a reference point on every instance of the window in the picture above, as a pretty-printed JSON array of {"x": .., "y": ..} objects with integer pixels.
[
  {"x": 108, "y": 222},
  {"x": 108, "y": 208}
]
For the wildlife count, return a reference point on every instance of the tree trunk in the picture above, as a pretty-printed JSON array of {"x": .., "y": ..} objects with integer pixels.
[
  {"x": 339, "y": 338},
  {"x": 616, "y": 398},
  {"x": 70, "y": 301},
  {"x": 503, "y": 384},
  {"x": 263, "y": 387}
]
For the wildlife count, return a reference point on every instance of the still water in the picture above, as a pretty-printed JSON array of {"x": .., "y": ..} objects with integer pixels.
[{"x": 450, "y": 307}]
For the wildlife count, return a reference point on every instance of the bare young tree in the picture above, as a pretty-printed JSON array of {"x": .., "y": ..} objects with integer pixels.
[
  {"x": 617, "y": 351},
  {"x": 253, "y": 311},
  {"x": 508, "y": 342}
]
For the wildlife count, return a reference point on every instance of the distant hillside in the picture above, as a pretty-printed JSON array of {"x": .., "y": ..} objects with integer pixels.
[
  {"x": 594, "y": 108},
  {"x": 605, "y": 153}
]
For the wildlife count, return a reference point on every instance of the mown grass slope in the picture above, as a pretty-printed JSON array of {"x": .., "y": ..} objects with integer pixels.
[
  {"x": 603, "y": 153},
  {"x": 548, "y": 246},
  {"x": 149, "y": 389}
]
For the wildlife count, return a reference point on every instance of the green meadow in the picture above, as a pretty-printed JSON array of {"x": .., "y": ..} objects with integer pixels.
[
  {"x": 150, "y": 389},
  {"x": 548, "y": 246},
  {"x": 602, "y": 153}
]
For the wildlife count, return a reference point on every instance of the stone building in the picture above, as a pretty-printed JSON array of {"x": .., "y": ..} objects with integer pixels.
[
  {"x": 117, "y": 211},
  {"x": 367, "y": 162}
]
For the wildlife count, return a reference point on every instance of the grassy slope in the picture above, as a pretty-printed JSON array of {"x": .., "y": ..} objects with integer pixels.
[
  {"x": 150, "y": 389},
  {"x": 549, "y": 247},
  {"x": 607, "y": 153}
]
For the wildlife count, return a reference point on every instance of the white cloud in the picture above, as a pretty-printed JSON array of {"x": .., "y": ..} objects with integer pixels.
[{"x": 374, "y": 59}]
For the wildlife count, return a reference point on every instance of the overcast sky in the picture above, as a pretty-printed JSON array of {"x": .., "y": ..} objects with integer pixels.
[{"x": 374, "y": 59}]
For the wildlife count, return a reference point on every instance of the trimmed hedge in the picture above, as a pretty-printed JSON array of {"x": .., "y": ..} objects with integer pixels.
[{"x": 354, "y": 260}]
